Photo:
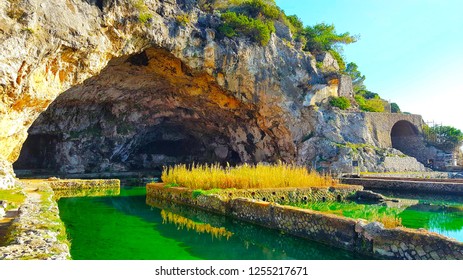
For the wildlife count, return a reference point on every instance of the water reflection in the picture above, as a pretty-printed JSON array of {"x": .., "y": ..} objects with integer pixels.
[
  {"x": 182, "y": 222},
  {"x": 442, "y": 214},
  {"x": 125, "y": 227},
  {"x": 76, "y": 192}
]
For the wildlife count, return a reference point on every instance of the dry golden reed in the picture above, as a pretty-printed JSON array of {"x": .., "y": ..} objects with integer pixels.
[{"x": 260, "y": 176}]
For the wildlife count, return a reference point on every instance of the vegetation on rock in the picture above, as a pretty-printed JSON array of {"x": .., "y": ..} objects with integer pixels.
[
  {"x": 395, "y": 108},
  {"x": 143, "y": 12},
  {"x": 241, "y": 25},
  {"x": 249, "y": 18},
  {"x": 447, "y": 138},
  {"x": 370, "y": 105},
  {"x": 260, "y": 176},
  {"x": 340, "y": 102},
  {"x": 182, "y": 19}
]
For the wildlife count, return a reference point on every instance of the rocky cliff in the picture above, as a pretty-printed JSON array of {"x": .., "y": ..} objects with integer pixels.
[{"x": 131, "y": 91}]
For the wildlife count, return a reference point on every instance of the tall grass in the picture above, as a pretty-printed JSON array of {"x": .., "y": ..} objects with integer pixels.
[{"x": 206, "y": 177}]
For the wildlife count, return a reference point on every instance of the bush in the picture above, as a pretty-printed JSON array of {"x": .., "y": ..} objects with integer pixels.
[
  {"x": 145, "y": 17},
  {"x": 369, "y": 105},
  {"x": 447, "y": 138},
  {"x": 368, "y": 94},
  {"x": 339, "y": 59},
  {"x": 182, "y": 20},
  {"x": 143, "y": 12},
  {"x": 261, "y": 9},
  {"x": 340, "y": 102},
  {"x": 395, "y": 108},
  {"x": 239, "y": 24},
  {"x": 296, "y": 23}
]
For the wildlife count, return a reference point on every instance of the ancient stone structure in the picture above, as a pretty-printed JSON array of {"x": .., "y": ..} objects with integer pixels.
[
  {"x": 410, "y": 186},
  {"x": 354, "y": 235},
  {"x": 387, "y": 127}
]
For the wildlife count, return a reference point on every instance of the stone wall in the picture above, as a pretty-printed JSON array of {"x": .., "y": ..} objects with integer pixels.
[
  {"x": 381, "y": 124},
  {"x": 354, "y": 235},
  {"x": 406, "y": 185},
  {"x": 403, "y": 164},
  {"x": 59, "y": 184}
]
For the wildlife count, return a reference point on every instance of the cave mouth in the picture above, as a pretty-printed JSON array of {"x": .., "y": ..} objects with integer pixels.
[
  {"x": 140, "y": 113},
  {"x": 404, "y": 137}
]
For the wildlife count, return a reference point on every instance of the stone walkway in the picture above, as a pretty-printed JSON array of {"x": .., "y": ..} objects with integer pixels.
[{"x": 38, "y": 232}]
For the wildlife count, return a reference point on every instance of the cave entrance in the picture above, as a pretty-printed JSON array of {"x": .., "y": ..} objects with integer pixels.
[
  {"x": 143, "y": 112},
  {"x": 38, "y": 153},
  {"x": 405, "y": 137}
]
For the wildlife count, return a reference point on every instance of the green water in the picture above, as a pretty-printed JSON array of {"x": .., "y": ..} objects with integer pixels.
[
  {"x": 440, "y": 214},
  {"x": 125, "y": 227}
]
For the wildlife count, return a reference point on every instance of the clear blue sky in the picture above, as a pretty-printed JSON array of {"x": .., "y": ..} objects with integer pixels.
[{"x": 411, "y": 51}]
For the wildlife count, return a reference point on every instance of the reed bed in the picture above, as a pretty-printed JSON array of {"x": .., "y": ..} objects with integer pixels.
[{"x": 260, "y": 176}]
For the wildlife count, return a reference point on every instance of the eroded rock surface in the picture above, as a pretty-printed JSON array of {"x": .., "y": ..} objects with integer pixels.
[
  {"x": 132, "y": 93},
  {"x": 162, "y": 78}
]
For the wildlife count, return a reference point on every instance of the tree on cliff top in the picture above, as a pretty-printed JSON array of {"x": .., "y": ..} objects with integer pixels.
[
  {"x": 446, "y": 138},
  {"x": 357, "y": 77},
  {"x": 323, "y": 37}
]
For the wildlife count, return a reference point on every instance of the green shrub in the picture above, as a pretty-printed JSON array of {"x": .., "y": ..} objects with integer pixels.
[
  {"x": 368, "y": 94},
  {"x": 296, "y": 23},
  {"x": 447, "y": 138},
  {"x": 261, "y": 9},
  {"x": 239, "y": 24},
  {"x": 145, "y": 17},
  {"x": 395, "y": 108},
  {"x": 143, "y": 12},
  {"x": 339, "y": 59},
  {"x": 360, "y": 100},
  {"x": 340, "y": 102},
  {"x": 182, "y": 20},
  {"x": 369, "y": 105}
]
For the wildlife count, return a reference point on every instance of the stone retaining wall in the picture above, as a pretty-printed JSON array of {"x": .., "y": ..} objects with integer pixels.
[
  {"x": 58, "y": 184},
  {"x": 406, "y": 186},
  {"x": 354, "y": 235},
  {"x": 38, "y": 232}
]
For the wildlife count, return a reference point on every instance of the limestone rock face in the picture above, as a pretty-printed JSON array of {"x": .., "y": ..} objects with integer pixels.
[
  {"x": 149, "y": 77},
  {"x": 334, "y": 139},
  {"x": 133, "y": 88}
]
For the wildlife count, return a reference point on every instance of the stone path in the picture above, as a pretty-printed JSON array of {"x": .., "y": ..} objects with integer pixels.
[{"x": 37, "y": 231}]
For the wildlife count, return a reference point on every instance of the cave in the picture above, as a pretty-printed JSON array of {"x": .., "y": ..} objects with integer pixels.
[
  {"x": 405, "y": 137},
  {"x": 143, "y": 112},
  {"x": 38, "y": 152}
]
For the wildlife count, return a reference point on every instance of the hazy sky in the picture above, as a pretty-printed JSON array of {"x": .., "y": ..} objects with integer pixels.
[{"x": 411, "y": 51}]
